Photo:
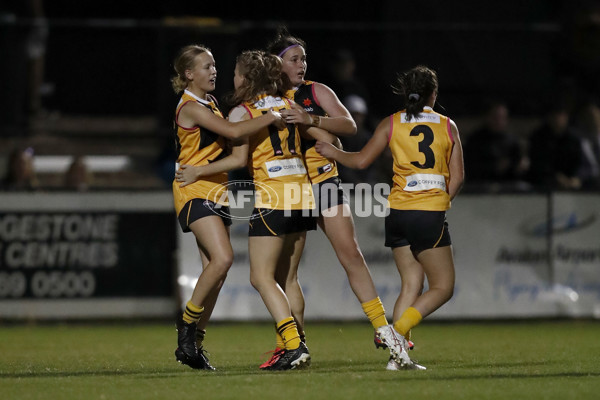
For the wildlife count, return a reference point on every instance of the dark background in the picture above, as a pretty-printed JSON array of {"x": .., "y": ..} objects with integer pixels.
[{"x": 115, "y": 57}]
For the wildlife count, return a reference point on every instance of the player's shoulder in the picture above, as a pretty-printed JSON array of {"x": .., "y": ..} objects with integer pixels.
[{"x": 239, "y": 113}]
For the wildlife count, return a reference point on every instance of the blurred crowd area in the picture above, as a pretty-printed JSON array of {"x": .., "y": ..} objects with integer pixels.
[{"x": 86, "y": 101}]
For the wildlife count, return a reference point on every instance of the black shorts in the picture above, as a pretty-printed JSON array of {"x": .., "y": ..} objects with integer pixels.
[
  {"x": 200, "y": 208},
  {"x": 268, "y": 222},
  {"x": 420, "y": 230},
  {"x": 329, "y": 194}
]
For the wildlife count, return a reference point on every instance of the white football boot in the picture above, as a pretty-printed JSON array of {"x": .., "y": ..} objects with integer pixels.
[
  {"x": 396, "y": 344},
  {"x": 393, "y": 365}
]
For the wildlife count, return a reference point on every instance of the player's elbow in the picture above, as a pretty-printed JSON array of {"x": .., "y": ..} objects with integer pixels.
[
  {"x": 349, "y": 128},
  {"x": 458, "y": 182},
  {"x": 454, "y": 187},
  {"x": 352, "y": 128},
  {"x": 236, "y": 131},
  {"x": 457, "y": 177},
  {"x": 362, "y": 163}
]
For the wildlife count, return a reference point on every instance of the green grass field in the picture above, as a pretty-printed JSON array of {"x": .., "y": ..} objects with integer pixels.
[{"x": 520, "y": 360}]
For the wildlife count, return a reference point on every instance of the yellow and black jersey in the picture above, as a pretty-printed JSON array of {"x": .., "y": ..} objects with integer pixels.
[
  {"x": 199, "y": 146},
  {"x": 319, "y": 167},
  {"x": 421, "y": 149},
  {"x": 275, "y": 161}
]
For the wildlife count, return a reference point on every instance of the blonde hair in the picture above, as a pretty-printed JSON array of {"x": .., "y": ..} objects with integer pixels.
[
  {"x": 184, "y": 61},
  {"x": 262, "y": 73}
]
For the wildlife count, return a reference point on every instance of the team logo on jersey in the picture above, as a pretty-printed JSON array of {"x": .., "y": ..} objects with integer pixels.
[
  {"x": 306, "y": 102},
  {"x": 325, "y": 168}
]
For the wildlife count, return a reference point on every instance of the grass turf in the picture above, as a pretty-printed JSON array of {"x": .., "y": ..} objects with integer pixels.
[{"x": 509, "y": 360}]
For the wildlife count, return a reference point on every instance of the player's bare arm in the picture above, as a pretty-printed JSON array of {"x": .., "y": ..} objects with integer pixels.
[
  {"x": 193, "y": 114},
  {"x": 456, "y": 165},
  {"x": 363, "y": 158},
  {"x": 188, "y": 174}
]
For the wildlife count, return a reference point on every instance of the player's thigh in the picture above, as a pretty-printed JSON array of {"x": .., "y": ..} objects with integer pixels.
[
  {"x": 264, "y": 253},
  {"x": 291, "y": 254},
  {"x": 212, "y": 237},
  {"x": 438, "y": 264},
  {"x": 409, "y": 267},
  {"x": 339, "y": 229}
]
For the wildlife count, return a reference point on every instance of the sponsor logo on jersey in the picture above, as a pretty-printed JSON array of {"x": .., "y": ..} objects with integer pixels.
[
  {"x": 418, "y": 182},
  {"x": 290, "y": 166},
  {"x": 269, "y": 102},
  {"x": 423, "y": 117}
]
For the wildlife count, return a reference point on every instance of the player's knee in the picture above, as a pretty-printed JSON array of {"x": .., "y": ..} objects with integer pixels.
[
  {"x": 222, "y": 263},
  {"x": 443, "y": 291},
  {"x": 257, "y": 281},
  {"x": 448, "y": 292},
  {"x": 412, "y": 285}
]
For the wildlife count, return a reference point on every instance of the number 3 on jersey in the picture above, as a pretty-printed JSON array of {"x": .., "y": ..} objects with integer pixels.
[{"x": 424, "y": 146}]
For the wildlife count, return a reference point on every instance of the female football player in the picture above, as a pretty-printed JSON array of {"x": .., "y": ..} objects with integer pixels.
[
  {"x": 428, "y": 174},
  {"x": 318, "y": 106},
  {"x": 201, "y": 133}
]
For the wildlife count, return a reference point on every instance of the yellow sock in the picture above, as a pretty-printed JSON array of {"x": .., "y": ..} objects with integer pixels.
[
  {"x": 192, "y": 313},
  {"x": 409, "y": 319},
  {"x": 375, "y": 312},
  {"x": 279, "y": 343},
  {"x": 289, "y": 332}
]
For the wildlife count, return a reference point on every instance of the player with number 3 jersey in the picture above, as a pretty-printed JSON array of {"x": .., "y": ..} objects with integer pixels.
[
  {"x": 420, "y": 184},
  {"x": 428, "y": 174}
]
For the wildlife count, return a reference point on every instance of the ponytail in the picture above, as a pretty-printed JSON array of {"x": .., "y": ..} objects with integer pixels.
[{"x": 416, "y": 85}]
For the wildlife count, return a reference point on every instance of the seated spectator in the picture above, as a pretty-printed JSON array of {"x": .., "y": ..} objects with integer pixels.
[
  {"x": 20, "y": 173},
  {"x": 492, "y": 153},
  {"x": 78, "y": 177},
  {"x": 555, "y": 153}
]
